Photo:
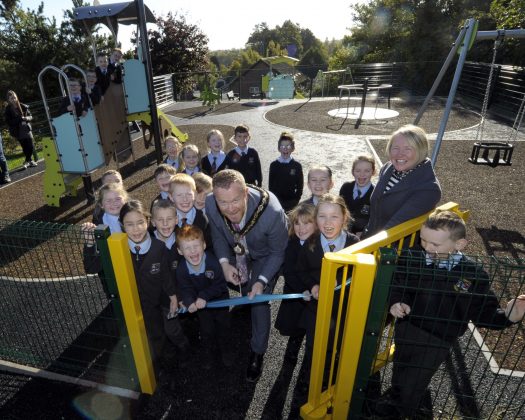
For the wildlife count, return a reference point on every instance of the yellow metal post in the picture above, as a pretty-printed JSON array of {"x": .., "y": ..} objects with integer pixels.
[
  {"x": 358, "y": 302},
  {"x": 129, "y": 297}
]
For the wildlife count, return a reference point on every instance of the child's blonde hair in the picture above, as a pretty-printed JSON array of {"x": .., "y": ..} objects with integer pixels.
[
  {"x": 329, "y": 198},
  {"x": 162, "y": 204},
  {"x": 304, "y": 211},
  {"x": 193, "y": 148},
  {"x": 172, "y": 139},
  {"x": 182, "y": 179},
  {"x": 108, "y": 173},
  {"x": 218, "y": 133},
  {"x": 112, "y": 186},
  {"x": 203, "y": 182},
  {"x": 364, "y": 158}
]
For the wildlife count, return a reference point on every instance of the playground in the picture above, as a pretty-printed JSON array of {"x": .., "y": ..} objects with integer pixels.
[
  {"x": 495, "y": 227},
  {"x": 61, "y": 309}
]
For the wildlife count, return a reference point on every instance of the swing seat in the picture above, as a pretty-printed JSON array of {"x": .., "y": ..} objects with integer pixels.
[{"x": 502, "y": 153}]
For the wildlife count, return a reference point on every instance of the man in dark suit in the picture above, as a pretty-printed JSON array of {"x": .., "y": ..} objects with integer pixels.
[{"x": 249, "y": 235}]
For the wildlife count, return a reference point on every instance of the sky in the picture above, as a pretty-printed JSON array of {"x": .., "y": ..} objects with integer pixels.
[{"x": 229, "y": 23}]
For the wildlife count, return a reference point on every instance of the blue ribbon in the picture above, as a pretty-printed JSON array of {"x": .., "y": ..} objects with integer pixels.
[{"x": 244, "y": 300}]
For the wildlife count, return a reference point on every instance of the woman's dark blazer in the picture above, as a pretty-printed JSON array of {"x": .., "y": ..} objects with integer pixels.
[{"x": 416, "y": 194}]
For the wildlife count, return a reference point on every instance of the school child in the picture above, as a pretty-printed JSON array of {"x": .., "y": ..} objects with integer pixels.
[
  {"x": 319, "y": 182},
  {"x": 435, "y": 292},
  {"x": 216, "y": 160},
  {"x": 357, "y": 193},
  {"x": 103, "y": 75},
  {"x": 115, "y": 66},
  {"x": 201, "y": 280},
  {"x": 302, "y": 226},
  {"x": 155, "y": 283},
  {"x": 162, "y": 175},
  {"x": 92, "y": 89},
  {"x": 286, "y": 174},
  {"x": 111, "y": 176},
  {"x": 182, "y": 192},
  {"x": 164, "y": 220},
  {"x": 111, "y": 198},
  {"x": 80, "y": 104},
  {"x": 245, "y": 159},
  {"x": 332, "y": 218},
  {"x": 203, "y": 185},
  {"x": 190, "y": 159},
  {"x": 172, "y": 146}
]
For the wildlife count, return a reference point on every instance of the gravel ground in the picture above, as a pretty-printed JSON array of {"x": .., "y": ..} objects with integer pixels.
[{"x": 496, "y": 227}]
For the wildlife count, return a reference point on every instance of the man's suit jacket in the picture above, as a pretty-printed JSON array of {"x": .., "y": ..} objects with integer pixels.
[
  {"x": 417, "y": 193},
  {"x": 266, "y": 241}
]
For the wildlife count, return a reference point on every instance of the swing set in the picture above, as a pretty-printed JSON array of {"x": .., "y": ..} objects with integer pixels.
[{"x": 482, "y": 149}]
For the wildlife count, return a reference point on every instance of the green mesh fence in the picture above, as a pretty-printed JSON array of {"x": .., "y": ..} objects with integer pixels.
[
  {"x": 454, "y": 339},
  {"x": 53, "y": 316}
]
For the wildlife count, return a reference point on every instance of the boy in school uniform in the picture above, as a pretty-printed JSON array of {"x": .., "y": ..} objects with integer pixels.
[
  {"x": 102, "y": 72},
  {"x": 182, "y": 192},
  {"x": 162, "y": 175},
  {"x": 245, "y": 159},
  {"x": 286, "y": 174},
  {"x": 115, "y": 66},
  {"x": 164, "y": 220},
  {"x": 92, "y": 89},
  {"x": 201, "y": 280},
  {"x": 203, "y": 183},
  {"x": 80, "y": 100},
  {"x": 435, "y": 293}
]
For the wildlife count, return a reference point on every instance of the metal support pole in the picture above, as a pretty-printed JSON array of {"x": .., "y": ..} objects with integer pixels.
[
  {"x": 441, "y": 73},
  {"x": 453, "y": 88},
  {"x": 143, "y": 32}
]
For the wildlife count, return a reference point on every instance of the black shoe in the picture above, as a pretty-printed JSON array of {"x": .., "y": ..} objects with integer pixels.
[
  {"x": 228, "y": 358},
  {"x": 254, "y": 367}
]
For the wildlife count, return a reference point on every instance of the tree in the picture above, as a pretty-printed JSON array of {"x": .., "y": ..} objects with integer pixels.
[
  {"x": 313, "y": 60},
  {"x": 180, "y": 48}
]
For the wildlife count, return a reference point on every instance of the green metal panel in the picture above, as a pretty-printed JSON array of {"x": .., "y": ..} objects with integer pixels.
[{"x": 373, "y": 331}]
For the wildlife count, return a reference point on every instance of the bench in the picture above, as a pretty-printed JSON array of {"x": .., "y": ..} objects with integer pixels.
[{"x": 232, "y": 96}]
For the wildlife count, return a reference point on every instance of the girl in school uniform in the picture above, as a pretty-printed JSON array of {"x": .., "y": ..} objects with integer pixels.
[
  {"x": 216, "y": 160},
  {"x": 332, "y": 218},
  {"x": 358, "y": 192},
  {"x": 319, "y": 181},
  {"x": 301, "y": 227},
  {"x": 111, "y": 198},
  {"x": 155, "y": 281},
  {"x": 190, "y": 159},
  {"x": 173, "y": 147}
]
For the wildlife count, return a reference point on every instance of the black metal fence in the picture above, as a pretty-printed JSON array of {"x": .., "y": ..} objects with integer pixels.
[
  {"x": 479, "y": 374},
  {"x": 53, "y": 316}
]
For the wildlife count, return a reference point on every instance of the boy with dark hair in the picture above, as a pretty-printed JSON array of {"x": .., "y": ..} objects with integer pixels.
[
  {"x": 245, "y": 159},
  {"x": 200, "y": 280},
  {"x": 286, "y": 174},
  {"x": 80, "y": 105},
  {"x": 435, "y": 293},
  {"x": 162, "y": 175},
  {"x": 103, "y": 73}
]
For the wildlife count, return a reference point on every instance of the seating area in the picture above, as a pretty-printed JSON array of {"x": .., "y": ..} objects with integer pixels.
[{"x": 232, "y": 96}]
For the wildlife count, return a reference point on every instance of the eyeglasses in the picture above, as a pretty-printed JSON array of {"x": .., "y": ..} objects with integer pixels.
[{"x": 285, "y": 146}]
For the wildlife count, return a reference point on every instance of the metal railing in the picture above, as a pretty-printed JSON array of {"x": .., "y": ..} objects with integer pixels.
[
  {"x": 356, "y": 374},
  {"x": 57, "y": 321},
  {"x": 163, "y": 86}
]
